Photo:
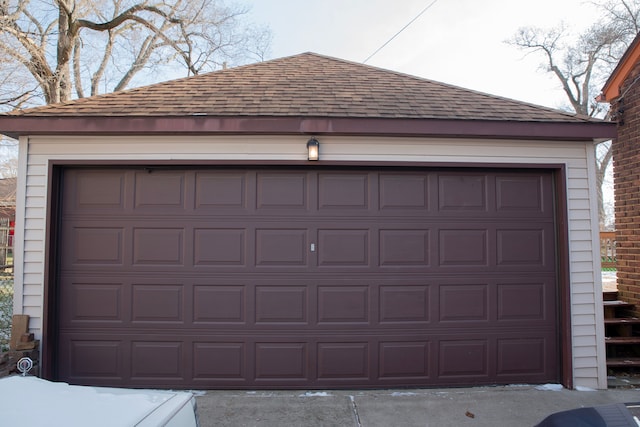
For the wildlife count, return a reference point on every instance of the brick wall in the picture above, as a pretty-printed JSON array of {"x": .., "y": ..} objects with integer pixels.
[{"x": 626, "y": 162}]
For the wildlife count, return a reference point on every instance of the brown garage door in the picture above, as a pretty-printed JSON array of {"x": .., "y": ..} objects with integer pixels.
[{"x": 306, "y": 278}]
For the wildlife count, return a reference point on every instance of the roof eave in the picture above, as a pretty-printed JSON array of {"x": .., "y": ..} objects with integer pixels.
[
  {"x": 16, "y": 126},
  {"x": 611, "y": 89}
]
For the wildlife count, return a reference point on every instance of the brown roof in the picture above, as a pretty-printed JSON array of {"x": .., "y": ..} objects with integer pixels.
[{"x": 302, "y": 86}]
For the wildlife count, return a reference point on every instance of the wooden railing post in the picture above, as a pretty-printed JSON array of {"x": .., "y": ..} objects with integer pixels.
[{"x": 608, "y": 249}]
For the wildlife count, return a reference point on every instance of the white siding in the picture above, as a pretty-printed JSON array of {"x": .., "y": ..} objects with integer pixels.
[{"x": 586, "y": 296}]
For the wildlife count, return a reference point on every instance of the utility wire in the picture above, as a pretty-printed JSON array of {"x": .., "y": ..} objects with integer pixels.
[{"x": 398, "y": 33}]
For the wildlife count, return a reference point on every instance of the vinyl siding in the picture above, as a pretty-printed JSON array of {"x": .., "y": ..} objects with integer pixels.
[{"x": 586, "y": 296}]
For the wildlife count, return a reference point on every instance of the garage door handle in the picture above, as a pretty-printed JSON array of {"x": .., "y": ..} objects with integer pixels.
[{"x": 313, "y": 247}]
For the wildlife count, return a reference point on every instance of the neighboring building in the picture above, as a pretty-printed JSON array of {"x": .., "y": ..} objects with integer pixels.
[
  {"x": 177, "y": 236},
  {"x": 622, "y": 91},
  {"x": 7, "y": 221},
  {"x": 8, "y": 197}
]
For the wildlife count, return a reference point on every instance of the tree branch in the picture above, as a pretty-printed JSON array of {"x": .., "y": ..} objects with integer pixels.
[
  {"x": 127, "y": 15},
  {"x": 97, "y": 76},
  {"x": 77, "y": 75},
  {"x": 198, "y": 33}
]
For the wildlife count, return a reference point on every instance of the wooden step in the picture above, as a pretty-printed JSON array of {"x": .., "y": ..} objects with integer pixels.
[
  {"x": 618, "y": 362},
  {"x": 609, "y": 295},
  {"x": 617, "y": 303},
  {"x": 622, "y": 321},
  {"x": 610, "y": 307},
  {"x": 622, "y": 340}
]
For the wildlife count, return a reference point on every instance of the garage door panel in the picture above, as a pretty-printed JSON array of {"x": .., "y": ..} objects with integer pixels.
[
  {"x": 408, "y": 247},
  {"x": 90, "y": 359},
  {"x": 405, "y": 360},
  {"x": 496, "y": 195},
  {"x": 157, "y": 303},
  {"x": 524, "y": 302},
  {"x": 502, "y": 246},
  {"x": 343, "y": 304},
  {"x": 96, "y": 301},
  {"x": 524, "y": 194},
  {"x": 158, "y": 246},
  {"x": 219, "y": 361},
  {"x": 403, "y": 191},
  {"x": 157, "y": 360},
  {"x": 282, "y": 190},
  {"x": 281, "y": 361},
  {"x": 343, "y": 247},
  {"x": 462, "y": 192},
  {"x": 343, "y": 191},
  {"x": 160, "y": 189},
  {"x": 462, "y": 248},
  {"x": 221, "y": 191},
  {"x": 464, "y": 303},
  {"x": 343, "y": 360},
  {"x": 521, "y": 356},
  {"x": 402, "y": 304},
  {"x": 95, "y": 245},
  {"x": 272, "y": 360},
  {"x": 524, "y": 248},
  {"x": 281, "y": 304},
  {"x": 300, "y": 278},
  {"x": 219, "y": 304},
  {"x": 281, "y": 247},
  {"x": 520, "y": 247},
  {"x": 517, "y": 247},
  {"x": 94, "y": 191},
  {"x": 494, "y": 301},
  {"x": 465, "y": 358},
  {"x": 220, "y": 247}
]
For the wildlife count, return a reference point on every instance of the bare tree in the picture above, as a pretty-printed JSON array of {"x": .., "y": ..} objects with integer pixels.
[
  {"x": 75, "y": 48},
  {"x": 582, "y": 63}
]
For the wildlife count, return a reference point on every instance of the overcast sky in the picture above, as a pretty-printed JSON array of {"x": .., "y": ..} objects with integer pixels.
[{"x": 461, "y": 42}]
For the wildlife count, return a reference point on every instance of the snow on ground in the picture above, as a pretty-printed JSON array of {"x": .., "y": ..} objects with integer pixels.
[
  {"x": 609, "y": 279},
  {"x": 315, "y": 394},
  {"x": 550, "y": 387}
]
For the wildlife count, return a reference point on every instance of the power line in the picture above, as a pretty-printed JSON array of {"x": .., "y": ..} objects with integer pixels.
[{"x": 401, "y": 30}]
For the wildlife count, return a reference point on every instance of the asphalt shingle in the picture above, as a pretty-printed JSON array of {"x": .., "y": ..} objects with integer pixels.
[{"x": 305, "y": 85}]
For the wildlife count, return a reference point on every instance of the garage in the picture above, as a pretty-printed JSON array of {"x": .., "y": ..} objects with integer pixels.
[
  {"x": 314, "y": 277},
  {"x": 183, "y": 235}
]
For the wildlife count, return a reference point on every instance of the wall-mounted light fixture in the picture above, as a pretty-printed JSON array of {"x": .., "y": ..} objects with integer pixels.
[{"x": 313, "y": 149}]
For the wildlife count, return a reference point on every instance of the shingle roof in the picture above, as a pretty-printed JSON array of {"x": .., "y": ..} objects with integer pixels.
[{"x": 305, "y": 85}]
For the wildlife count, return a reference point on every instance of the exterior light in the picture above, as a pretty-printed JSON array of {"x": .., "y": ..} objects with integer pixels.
[{"x": 313, "y": 149}]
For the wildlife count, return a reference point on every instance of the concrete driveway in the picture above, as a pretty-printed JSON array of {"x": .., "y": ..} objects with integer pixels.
[{"x": 509, "y": 406}]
